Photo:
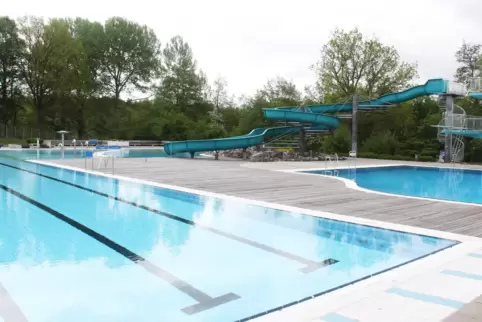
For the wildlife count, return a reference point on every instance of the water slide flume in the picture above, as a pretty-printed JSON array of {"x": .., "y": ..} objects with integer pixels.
[{"x": 313, "y": 115}]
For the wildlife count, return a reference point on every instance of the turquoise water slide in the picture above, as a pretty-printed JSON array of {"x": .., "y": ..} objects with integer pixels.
[
  {"x": 476, "y": 95},
  {"x": 313, "y": 115}
]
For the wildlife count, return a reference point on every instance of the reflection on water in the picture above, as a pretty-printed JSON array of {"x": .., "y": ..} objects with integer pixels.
[{"x": 175, "y": 231}]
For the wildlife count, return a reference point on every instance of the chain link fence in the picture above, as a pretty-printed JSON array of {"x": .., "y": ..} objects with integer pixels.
[{"x": 23, "y": 133}]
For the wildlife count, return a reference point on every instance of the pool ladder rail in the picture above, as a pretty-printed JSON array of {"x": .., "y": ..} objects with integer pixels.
[
  {"x": 103, "y": 156},
  {"x": 331, "y": 165}
]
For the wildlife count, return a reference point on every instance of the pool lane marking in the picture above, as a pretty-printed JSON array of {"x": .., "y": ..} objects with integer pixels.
[
  {"x": 204, "y": 301},
  {"x": 9, "y": 310},
  {"x": 310, "y": 265}
]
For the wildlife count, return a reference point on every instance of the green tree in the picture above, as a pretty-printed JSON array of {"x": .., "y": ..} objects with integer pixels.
[
  {"x": 352, "y": 64},
  {"x": 183, "y": 86},
  {"x": 47, "y": 63},
  {"x": 11, "y": 49},
  {"x": 130, "y": 57},
  {"x": 278, "y": 91},
  {"x": 381, "y": 143},
  {"x": 87, "y": 82},
  {"x": 219, "y": 95},
  {"x": 339, "y": 142},
  {"x": 469, "y": 58}
]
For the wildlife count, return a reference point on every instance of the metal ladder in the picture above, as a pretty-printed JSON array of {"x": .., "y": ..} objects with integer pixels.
[
  {"x": 331, "y": 165},
  {"x": 457, "y": 147}
]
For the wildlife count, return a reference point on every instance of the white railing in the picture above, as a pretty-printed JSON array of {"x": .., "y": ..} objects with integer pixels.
[
  {"x": 474, "y": 123},
  {"x": 475, "y": 84},
  {"x": 104, "y": 157},
  {"x": 456, "y": 88},
  {"x": 331, "y": 164}
]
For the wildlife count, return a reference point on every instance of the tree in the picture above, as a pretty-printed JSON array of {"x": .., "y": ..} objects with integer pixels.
[
  {"x": 219, "y": 94},
  {"x": 11, "y": 49},
  {"x": 183, "y": 87},
  {"x": 47, "y": 61},
  {"x": 130, "y": 57},
  {"x": 469, "y": 57},
  {"x": 352, "y": 64},
  {"x": 88, "y": 79},
  {"x": 279, "y": 90}
]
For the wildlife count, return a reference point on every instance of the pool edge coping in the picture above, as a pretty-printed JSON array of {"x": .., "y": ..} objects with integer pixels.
[{"x": 353, "y": 185}]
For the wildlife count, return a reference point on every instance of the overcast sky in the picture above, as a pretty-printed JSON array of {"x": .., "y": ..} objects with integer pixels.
[{"x": 253, "y": 40}]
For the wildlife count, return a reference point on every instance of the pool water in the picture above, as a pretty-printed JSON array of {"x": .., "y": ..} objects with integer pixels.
[
  {"x": 79, "y": 247},
  {"x": 52, "y": 154},
  {"x": 461, "y": 185}
]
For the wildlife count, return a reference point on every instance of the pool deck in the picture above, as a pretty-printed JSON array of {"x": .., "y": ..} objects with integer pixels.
[{"x": 443, "y": 287}]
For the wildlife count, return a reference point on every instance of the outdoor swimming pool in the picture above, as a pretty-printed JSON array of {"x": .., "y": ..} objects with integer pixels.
[
  {"x": 52, "y": 154},
  {"x": 79, "y": 247},
  {"x": 461, "y": 185}
]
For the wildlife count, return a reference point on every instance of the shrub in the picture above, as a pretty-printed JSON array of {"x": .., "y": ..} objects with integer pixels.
[
  {"x": 34, "y": 141},
  {"x": 383, "y": 143},
  {"x": 371, "y": 155},
  {"x": 429, "y": 153},
  {"x": 425, "y": 158}
]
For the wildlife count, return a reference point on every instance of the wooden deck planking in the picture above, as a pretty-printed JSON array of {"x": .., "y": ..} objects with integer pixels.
[{"x": 312, "y": 192}]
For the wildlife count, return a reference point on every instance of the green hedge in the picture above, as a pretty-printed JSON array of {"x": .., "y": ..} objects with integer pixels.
[
  {"x": 371, "y": 155},
  {"x": 34, "y": 141},
  {"x": 431, "y": 153},
  {"x": 426, "y": 158}
]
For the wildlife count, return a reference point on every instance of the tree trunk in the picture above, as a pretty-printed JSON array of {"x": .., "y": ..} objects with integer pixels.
[
  {"x": 38, "y": 108},
  {"x": 80, "y": 122}
]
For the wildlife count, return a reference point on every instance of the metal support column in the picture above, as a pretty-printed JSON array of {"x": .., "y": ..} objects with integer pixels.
[
  {"x": 354, "y": 124},
  {"x": 449, "y": 123},
  {"x": 302, "y": 140}
]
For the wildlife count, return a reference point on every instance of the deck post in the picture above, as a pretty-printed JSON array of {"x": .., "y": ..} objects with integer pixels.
[
  {"x": 302, "y": 140},
  {"x": 354, "y": 123},
  {"x": 449, "y": 120},
  {"x": 245, "y": 154},
  {"x": 216, "y": 155},
  {"x": 192, "y": 155}
]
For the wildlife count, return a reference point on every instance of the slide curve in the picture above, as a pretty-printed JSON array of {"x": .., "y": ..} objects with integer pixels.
[{"x": 313, "y": 114}]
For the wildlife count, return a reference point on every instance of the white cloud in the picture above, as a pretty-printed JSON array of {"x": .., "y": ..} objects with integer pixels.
[{"x": 251, "y": 41}]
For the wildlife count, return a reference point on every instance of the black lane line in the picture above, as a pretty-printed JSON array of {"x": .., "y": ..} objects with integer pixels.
[
  {"x": 310, "y": 265},
  {"x": 204, "y": 301},
  {"x": 9, "y": 310}
]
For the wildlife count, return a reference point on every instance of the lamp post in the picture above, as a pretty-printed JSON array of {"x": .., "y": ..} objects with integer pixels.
[{"x": 63, "y": 137}]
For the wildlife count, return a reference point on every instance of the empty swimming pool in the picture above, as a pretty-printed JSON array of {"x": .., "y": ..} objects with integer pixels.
[{"x": 78, "y": 247}]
